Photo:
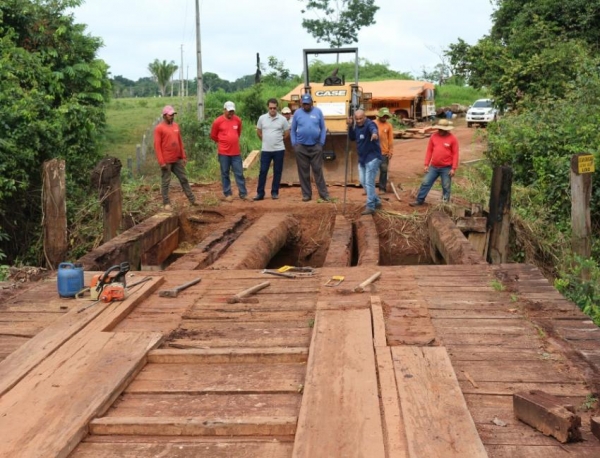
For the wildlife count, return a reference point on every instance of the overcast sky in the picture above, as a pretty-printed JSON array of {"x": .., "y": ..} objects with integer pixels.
[{"x": 408, "y": 34}]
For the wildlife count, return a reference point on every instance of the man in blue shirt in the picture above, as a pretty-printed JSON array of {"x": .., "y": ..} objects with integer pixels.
[
  {"x": 366, "y": 135},
  {"x": 308, "y": 138}
]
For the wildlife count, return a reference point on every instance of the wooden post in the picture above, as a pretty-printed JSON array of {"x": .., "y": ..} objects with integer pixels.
[
  {"x": 138, "y": 158},
  {"x": 54, "y": 203},
  {"x": 499, "y": 216},
  {"x": 106, "y": 177},
  {"x": 582, "y": 166},
  {"x": 144, "y": 148}
]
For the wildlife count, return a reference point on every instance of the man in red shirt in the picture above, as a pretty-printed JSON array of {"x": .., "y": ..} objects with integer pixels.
[
  {"x": 441, "y": 160},
  {"x": 171, "y": 156},
  {"x": 226, "y": 132}
]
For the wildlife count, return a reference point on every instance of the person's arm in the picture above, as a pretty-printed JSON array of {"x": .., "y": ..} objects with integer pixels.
[
  {"x": 455, "y": 156},
  {"x": 239, "y": 128},
  {"x": 351, "y": 132},
  {"x": 429, "y": 153},
  {"x": 158, "y": 146},
  {"x": 374, "y": 131},
  {"x": 286, "y": 129},
  {"x": 182, "y": 149},
  {"x": 293, "y": 130},
  {"x": 214, "y": 131},
  {"x": 323, "y": 135},
  {"x": 259, "y": 128},
  {"x": 390, "y": 141}
]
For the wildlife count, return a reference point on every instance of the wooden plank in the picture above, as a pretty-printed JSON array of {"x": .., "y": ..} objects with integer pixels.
[
  {"x": 379, "y": 339},
  {"x": 33, "y": 352},
  {"x": 301, "y": 338},
  {"x": 156, "y": 255},
  {"x": 340, "y": 414},
  {"x": 210, "y": 405},
  {"x": 430, "y": 397},
  {"x": 230, "y": 355},
  {"x": 20, "y": 328},
  {"x": 187, "y": 449},
  {"x": 595, "y": 426},
  {"x": 250, "y": 159},
  {"x": 518, "y": 371},
  {"x": 472, "y": 224},
  {"x": 507, "y": 388},
  {"x": 198, "y": 426},
  {"x": 547, "y": 414},
  {"x": 47, "y": 413},
  {"x": 394, "y": 434},
  {"x": 535, "y": 451},
  {"x": 219, "y": 378}
]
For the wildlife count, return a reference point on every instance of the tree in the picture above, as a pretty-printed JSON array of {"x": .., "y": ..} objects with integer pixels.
[
  {"x": 162, "y": 72},
  {"x": 338, "y": 22},
  {"x": 53, "y": 92}
]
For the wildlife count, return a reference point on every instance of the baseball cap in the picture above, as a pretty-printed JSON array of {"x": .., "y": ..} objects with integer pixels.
[
  {"x": 286, "y": 110},
  {"x": 168, "y": 110},
  {"x": 306, "y": 98},
  {"x": 229, "y": 106},
  {"x": 384, "y": 112}
]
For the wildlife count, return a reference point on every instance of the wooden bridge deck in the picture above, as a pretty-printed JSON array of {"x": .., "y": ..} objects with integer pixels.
[{"x": 422, "y": 364}]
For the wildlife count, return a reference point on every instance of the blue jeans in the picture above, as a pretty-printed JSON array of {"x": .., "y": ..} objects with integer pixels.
[
  {"x": 366, "y": 175},
  {"x": 432, "y": 174},
  {"x": 265, "y": 162},
  {"x": 235, "y": 163}
]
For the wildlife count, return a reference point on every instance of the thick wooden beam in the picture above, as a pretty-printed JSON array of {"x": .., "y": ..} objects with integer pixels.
[
  {"x": 595, "y": 426},
  {"x": 106, "y": 178},
  {"x": 340, "y": 246},
  {"x": 130, "y": 245},
  {"x": 547, "y": 414},
  {"x": 472, "y": 224},
  {"x": 581, "y": 194},
  {"x": 158, "y": 254},
  {"x": 55, "y": 212},
  {"x": 450, "y": 241},
  {"x": 499, "y": 216}
]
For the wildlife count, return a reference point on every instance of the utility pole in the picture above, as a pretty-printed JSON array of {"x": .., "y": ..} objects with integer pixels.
[
  {"x": 181, "y": 93},
  {"x": 200, "y": 85}
]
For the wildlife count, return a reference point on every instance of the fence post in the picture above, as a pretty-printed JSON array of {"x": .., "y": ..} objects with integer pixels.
[
  {"x": 138, "y": 158},
  {"x": 54, "y": 202},
  {"x": 582, "y": 167},
  {"x": 499, "y": 217}
]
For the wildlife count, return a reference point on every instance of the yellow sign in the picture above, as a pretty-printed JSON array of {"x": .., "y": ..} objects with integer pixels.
[{"x": 585, "y": 164}]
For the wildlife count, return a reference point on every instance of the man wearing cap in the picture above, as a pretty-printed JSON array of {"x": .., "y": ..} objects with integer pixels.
[
  {"x": 386, "y": 141},
  {"x": 441, "y": 160},
  {"x": 308, "y": 137},
  {"x": 171, "y": 156},
  {"x": 287, "y": 114},
  {"x": 226, "y": 132},
  {"x": 364, "y": 132},
  {"x": 272, "y": 128}
]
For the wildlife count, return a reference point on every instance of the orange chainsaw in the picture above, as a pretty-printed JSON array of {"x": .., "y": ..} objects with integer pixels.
[{"x": 110, "y": 285}]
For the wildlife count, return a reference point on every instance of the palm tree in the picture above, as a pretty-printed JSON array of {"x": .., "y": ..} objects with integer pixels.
[{"x": 162, "y": 72}]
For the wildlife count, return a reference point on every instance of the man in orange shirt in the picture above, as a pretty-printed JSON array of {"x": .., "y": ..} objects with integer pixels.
[
  {"x": 226, "y": 132},
  {"x": 441, "y": 160},
  {"x": 171, "y": 156},
  {"x": 386, "y": 141}
]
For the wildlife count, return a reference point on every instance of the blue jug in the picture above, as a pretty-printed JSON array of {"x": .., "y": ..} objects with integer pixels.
[{"x": 70, "y": 279}]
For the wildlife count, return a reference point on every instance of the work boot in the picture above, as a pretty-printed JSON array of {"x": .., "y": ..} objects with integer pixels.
[
  {"x": 368, "y": 211},
  {"x": 258, "y": 197},
  {"x": 244, "y": 197},
  {"x": 305, "y": 199},
  {"x": 274, "y": 196},
  {"x": 416, "y": 203},
  {"x": 228, "y": 198}
]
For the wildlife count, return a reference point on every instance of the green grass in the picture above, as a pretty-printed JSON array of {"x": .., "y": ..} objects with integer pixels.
[{"x": 448, "y": 94}]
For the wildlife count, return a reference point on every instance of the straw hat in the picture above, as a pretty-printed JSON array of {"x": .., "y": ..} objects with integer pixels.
[{"x": 444, "y": 124}]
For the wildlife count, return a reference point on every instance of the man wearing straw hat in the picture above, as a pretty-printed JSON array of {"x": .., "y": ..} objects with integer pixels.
[
  {"x": 386, "y": 140},
  {"x": 441, "y": 160}
]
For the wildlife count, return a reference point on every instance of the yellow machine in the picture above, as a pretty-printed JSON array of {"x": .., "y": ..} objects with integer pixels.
[{"x": 337, "y": 100}]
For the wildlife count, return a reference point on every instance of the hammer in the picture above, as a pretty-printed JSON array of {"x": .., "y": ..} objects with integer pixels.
[{"x": 175, "y": 291}]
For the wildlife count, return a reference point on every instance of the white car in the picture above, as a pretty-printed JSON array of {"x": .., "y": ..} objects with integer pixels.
[{"x": 482, "y": 112}]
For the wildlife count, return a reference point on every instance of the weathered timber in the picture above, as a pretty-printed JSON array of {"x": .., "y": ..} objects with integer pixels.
[
  {"x": 595, "y": 426},
  {"x": 367, "y": 241},
  {"x": 547, "y": 414},
  {"x": 195, "y": 426},
  {"x": 340, "y": 413},
  {"x": 48, "y": 412},
  {"x": 581, "y": 194},
  {"x": 106, "y": 178},
  {"x": 450, "y": 241},
  {"x": 250, "y": 159},
  {"x": 130, "y": 245},
  {"x": 379, "y": 339},
  {"x": 472, "y": 224},
  {"x": 255, "y": 247},
  {"x": 55, "y": 212},
  {"x": 339, "y": 253},
  {"x": 230, "y": 355},
  {"x": 499, "y": 215},
  {"x": 158, "y": 254},
  {"x": 429, "y": 396}
]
